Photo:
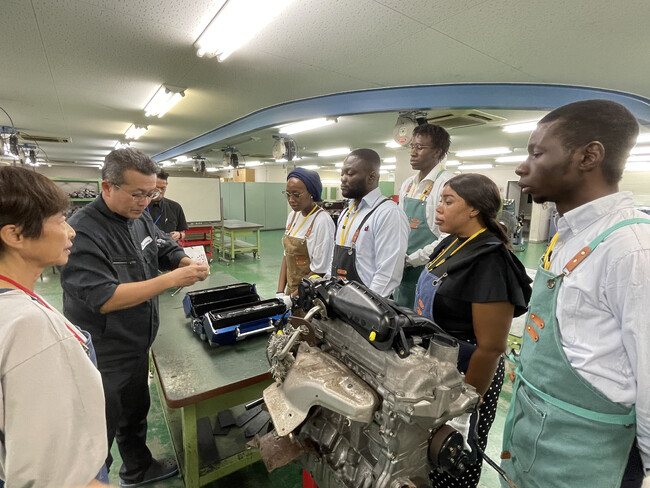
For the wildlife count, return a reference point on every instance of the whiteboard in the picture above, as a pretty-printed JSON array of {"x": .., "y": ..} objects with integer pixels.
[{"x": 199, "y": 197}]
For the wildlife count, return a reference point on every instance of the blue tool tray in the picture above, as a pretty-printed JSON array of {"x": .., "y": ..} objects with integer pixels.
[{"x": 226, "y": 314}]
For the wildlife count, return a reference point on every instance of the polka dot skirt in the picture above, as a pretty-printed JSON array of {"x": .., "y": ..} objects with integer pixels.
[{"x": 488, "y": 410}]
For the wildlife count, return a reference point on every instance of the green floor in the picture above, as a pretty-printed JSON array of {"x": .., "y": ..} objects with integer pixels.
[{"x": 264, "y": 273}]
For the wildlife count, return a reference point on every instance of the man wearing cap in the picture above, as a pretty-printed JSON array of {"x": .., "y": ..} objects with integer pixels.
[
  {"x": 308, "y": 240},
  {"x": 372, "y": 232}
]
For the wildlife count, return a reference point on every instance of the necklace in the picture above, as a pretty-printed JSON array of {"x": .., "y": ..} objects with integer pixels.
[{"x": 439, "y": 259}]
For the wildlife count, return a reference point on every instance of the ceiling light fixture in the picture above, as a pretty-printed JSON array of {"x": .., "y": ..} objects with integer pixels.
[
  {"x": 521, "y": 127},
  {"x": 640, "y": 150},
  {"x": 467, "y": 167},
  {"x": 211, "y": 169},
  {"x": 485, "y": 151},
  {"x": 511, "y": 159},
  {"x": 253, "y": 164},
  {"x": 312, "y": 167},
  {"x": 236, "y": 23},
  {"x": 452, "y": 162},
  {"x": 643, "y": 137},
  {"x": 305, "y": 125},
  {"x": 135, "y": 131},
  {"x": 163, "y": 100},
  {"x": 338, "y": 165},
  {"x": 638, "y": 159},
  {"x": 387, "y": 167},
  {"x": 393, "y": 145},
  {"x": 389, "y": 160},
  {"x": 337, "y": 151},
  {"x": 638, "y": 166},
  {"x": 121, "y": 145},
  {"x": 182, "y": 159}
]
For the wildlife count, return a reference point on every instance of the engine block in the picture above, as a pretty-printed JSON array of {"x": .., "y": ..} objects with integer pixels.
[{"x": 357, "y": 416}]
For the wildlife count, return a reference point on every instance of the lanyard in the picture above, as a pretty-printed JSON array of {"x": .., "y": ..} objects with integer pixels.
[
  {"x": 549, "y": 250},
  {"x": 426, "y": 191},
  {"x": 42, "y": 302},
  {"x": 437, "y": 261},
  {"x": 293, "y": 221},
  {"x": 162, "y": 210},
  {"x": 344, "y": 234}
]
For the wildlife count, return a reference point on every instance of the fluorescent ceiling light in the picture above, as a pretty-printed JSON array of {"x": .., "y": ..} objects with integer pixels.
[
  {"x": 521, "y": 127},
  {"x": 637, "y": 159},
  {"x": 485, "y": 151},
  {"x": 235, "y": 24},
  {"x": 383, "y": 172},
  {"x": 163, "y": 100},
  {"x": 211, "y": 169},
  {"x": 643, "y": 137},
  {"x": 227, "y": 167},
  {"x": 393, "y": 144},
  {"x": 390, "y": 160},
  {"x": 135, "y": 131},
  {"x": 252, "y": 164},
  {"x": 313, "y": 167},
  {"x": 182, "y": 159},
  {"x": 511, "y": 159},
  {"x": 283, "y": 160},
  {"x": 475, "y": 166},
  {"x": 452, "y": 162},
  {"x": 331, "y": 182},
  {"x": 337, "y": 151},
  {"x": 640, "y": 150},
  {"x": 338, "y": 165},
  {"x": 121, "y": 145},
  {"x": 638, "y": 166},
  {"x": 305, "y": 125},
  {"x": 388, "y": 167},
  {"x": 166, "y": 163}
]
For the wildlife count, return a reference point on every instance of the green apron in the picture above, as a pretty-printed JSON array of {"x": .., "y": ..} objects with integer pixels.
[
  {"x": 560, "y": 431},
  {"x": 420, "y": 236}
]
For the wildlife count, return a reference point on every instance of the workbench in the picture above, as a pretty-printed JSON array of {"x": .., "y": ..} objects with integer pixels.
[
  {"x": 196, "y": 380},
  {"x": 228, "y": 238}
]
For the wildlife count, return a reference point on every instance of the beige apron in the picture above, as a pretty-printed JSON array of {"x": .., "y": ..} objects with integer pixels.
[{"x": 297, "y": 257}]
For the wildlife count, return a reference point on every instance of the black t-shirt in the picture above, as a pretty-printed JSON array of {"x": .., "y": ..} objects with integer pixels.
[
  {"x": 168, "y": 215},
  {"x": 483, "y": 271}
]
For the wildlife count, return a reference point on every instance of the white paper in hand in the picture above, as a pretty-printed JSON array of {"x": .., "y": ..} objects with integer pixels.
[{"x": 197, "y": 254}]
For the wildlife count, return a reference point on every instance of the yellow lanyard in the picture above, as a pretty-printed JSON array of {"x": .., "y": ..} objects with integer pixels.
[
  {"x": 425, "y": 193},
  {"x": 344, "y": 233},
  {"x": 301, "y": 223},
  {"x": 549, "y": 250},
  {"x": 437, "y": 261}
]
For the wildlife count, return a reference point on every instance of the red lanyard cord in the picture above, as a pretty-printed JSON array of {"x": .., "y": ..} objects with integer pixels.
[{"x": 73, "y": 330}]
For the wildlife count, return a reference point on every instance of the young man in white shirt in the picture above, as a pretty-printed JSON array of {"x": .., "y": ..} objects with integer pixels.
[
  {"x": 418, "y": 197},
  {"x": 580, "y": 412}
]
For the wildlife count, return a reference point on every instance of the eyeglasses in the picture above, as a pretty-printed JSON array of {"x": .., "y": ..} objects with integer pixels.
[
  {"x": 418, "y": 147},
  {"x": 295, "y": 195},
  {"x": 138, "y": 197}
]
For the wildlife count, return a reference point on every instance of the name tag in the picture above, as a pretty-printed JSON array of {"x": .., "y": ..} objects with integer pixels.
[{"x": 146, "y": 241}]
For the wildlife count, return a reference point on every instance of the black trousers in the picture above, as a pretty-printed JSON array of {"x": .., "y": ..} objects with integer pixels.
[
  {"x": 633, "y": 476},
  {"x": 126, "y": 391}
]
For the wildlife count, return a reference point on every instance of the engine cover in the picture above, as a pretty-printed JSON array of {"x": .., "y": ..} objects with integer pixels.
[{"x": 358, "y": 416}]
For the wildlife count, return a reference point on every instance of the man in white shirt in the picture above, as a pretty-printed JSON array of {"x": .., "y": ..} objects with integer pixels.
[
  {"x": 580, "y": 412},
  {"x": 372, "y": 232},
  {"x": 419, "y": 197}
]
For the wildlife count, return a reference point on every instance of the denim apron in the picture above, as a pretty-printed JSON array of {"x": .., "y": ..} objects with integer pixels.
[
  {"x": 344, "y": 262},
  {"x": 556, "y": 417}
]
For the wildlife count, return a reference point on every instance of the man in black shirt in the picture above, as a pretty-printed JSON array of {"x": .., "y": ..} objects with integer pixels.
[
  {"x": 167, "y": 214},
  {"x": 110, "y": 287}
]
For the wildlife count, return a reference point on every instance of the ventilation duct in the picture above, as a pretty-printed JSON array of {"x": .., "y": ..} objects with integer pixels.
[{"x": 463, "y": 118}]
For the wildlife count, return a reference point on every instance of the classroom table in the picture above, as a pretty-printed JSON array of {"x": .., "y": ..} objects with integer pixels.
[
  {"x": 196, "y": 380},
  {"x": 227, "y": 237}
]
